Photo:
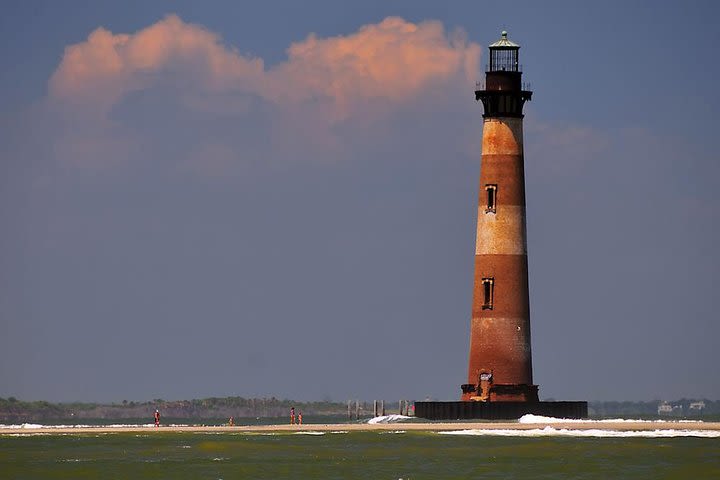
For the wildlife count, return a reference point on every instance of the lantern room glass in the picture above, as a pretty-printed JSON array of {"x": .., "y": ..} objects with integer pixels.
[{"x": 503, "y": 59}]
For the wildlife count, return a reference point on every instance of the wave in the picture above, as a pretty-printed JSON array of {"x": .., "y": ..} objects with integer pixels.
[
  {"x": 530, "y": 418},
  {"x": 389, "y": 419},
  {"x": 305, "y": 432},
  {"x": 591, "y": 433},
  {"x": 112, "y": 425},
  {"x": 24, "y": 425}
]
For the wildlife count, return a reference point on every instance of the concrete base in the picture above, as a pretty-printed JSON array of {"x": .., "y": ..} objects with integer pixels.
[{"x": 498, "y": 410}]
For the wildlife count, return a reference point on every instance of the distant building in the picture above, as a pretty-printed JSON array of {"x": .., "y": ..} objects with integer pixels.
[{"x": 666, "y": 408}]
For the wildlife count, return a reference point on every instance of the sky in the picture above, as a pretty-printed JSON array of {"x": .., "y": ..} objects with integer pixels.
[{"x": 279, "y": 198}]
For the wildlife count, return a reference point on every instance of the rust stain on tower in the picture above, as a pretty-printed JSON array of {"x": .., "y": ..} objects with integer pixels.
[{"x": 500, "y": 365}]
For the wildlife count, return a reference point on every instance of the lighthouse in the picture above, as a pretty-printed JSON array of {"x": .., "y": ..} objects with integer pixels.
[
  {"x": 500, "y": 360},
  {"x": 500, "y": 372}
]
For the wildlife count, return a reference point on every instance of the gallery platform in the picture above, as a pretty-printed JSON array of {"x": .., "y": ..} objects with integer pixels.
[{"x": 498, "y": 410}]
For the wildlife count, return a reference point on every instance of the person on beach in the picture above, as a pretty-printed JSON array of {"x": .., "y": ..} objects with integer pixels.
[
  {"x": 299, "y": 418},
  {"x": 157, "y": 417},
  {"x": 292, "y": 415},
  {"x": 231, "y": 422}
]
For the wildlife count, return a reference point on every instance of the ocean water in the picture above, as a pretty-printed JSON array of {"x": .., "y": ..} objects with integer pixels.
[{"x": 396, "y": 454}]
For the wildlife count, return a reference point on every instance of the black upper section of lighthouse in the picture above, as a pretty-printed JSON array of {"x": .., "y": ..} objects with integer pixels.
[{"x": 503, "y": 95}]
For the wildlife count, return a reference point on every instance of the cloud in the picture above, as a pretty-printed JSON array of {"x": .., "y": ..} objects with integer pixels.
[
  {"x": 391, "y": 60},
  {"x": 568, "y": 148},
  {"x": 107, "y": 66},
  {"x": 174, "y": 90}
]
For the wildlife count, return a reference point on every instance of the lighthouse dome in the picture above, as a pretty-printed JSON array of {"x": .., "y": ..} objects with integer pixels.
[{"x": 504, "y": 42}]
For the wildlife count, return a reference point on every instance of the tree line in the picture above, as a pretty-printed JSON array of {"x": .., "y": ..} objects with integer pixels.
[{"x": 14, "y": 410}]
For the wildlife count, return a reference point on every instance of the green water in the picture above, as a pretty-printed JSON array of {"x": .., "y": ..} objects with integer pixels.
[{"x": 366, "y": 455}]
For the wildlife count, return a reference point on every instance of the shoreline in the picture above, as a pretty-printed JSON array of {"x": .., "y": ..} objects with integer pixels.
[{"x": 624, "y": 426}]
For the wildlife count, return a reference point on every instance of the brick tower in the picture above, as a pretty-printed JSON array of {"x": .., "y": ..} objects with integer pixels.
[{"x": 500, "y": 366}]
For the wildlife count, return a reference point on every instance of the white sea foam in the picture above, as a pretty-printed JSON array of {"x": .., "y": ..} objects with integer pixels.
[
  {"x": 592, "y": 432},
  {"x": 133, "y": 425},
  {"x": 389, "y": 419},
  {"x": 24, "y": 425},
  {"x": 530, "y": 418},
  {"x": 309, "y": 432},
  {"x": 112, "y": 425}
]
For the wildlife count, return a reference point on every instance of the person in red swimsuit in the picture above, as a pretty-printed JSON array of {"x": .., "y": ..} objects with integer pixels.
[{"x": 157, "y": 418}]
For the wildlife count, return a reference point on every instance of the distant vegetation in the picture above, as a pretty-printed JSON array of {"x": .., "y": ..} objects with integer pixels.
[
  {"x": 13, "y": 410},
  {"x": 16, "y": 411}
]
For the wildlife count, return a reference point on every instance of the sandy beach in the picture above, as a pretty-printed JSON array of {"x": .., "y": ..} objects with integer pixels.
[{"x": 356, "y": 427}]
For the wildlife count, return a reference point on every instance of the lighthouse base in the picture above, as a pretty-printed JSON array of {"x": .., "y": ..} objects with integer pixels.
[
  {"x": 498, "y": 410},
  {"x": 487, "y": 392}
]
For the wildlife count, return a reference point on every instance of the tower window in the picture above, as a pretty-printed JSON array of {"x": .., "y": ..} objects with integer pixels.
[
  {"x": 491, "y": 194},
  {"x": 488, "y": 293}
]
